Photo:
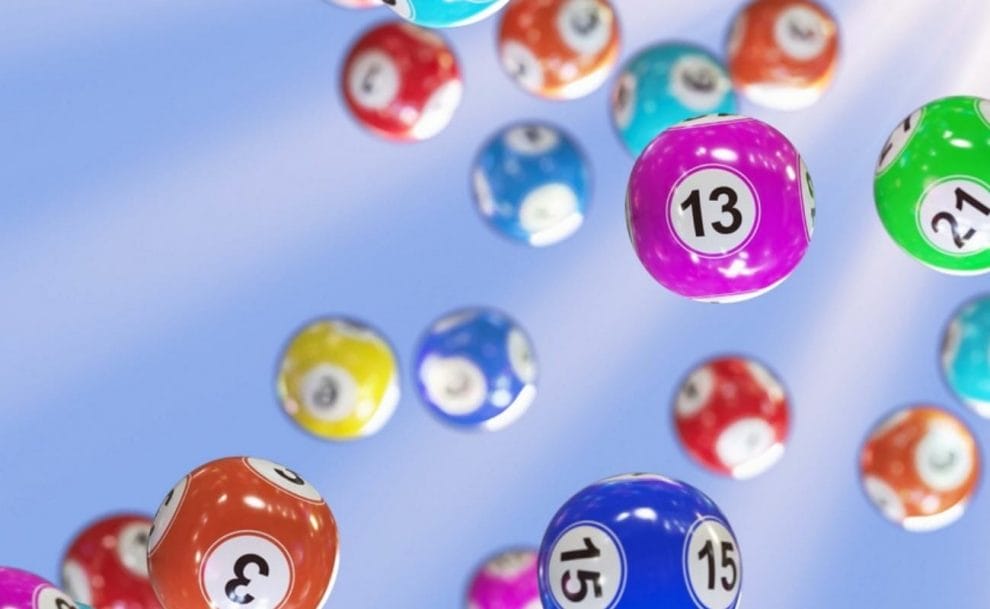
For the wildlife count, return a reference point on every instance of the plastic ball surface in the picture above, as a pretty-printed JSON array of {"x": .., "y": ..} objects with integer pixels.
[
  {"x": 932, "y": 185},
  {"x": 732, "y": 416},
  {"x": 24, "y": 590},
  {"x": 966, "y": 355},
  {"x": 920, "y": 467},
  {"x": 532, "y": 184},
  {"x": 402, "y": 82},
  {"x": 665, "y": 84},
  {"x": 476, "y": 368},
  {"x": 339, "y": 379},
  {"x": 720, "y": 208},
  {"x": 357, "y": 3},
  {"x": 239, "y": 532},
  {"x": 506, "y": 581},
  {"x": 106, "y": 565},
  {"x": 783, "y": 53},
  {"x": 640, "y": 540},
  {"x": 559, "y": 49},
  {"x": 444, "y": 13}
]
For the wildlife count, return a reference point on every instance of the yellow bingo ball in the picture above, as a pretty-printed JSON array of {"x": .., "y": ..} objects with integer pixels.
[{"x": 339, "y": 379}]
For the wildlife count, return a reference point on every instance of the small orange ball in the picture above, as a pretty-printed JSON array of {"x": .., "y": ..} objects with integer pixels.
[
  {"x": 783, "y": 53},
  {"x": 243, "y": 532},
  {"x": 559, "y": 49},
  {"x": 920, "y": 467}
]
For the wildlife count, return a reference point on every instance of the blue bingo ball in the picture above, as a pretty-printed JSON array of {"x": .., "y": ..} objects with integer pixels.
[
  {"x": 475, "y": 368},
  {"x": 444, "y": 13},
  {"x": 532, "y": 183},
  {"x": 639, "y": 541},
  {"x": 664, "y": 85},
  {"x": 966, "y": 354}
]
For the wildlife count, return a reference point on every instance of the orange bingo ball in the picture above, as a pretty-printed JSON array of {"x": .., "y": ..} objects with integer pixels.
[
  {"x": 559, "y": 49},
  {"x": 920, "y": 467},
  {"x": 242, "y": 532},
  {"x": 783, "y": 53}
]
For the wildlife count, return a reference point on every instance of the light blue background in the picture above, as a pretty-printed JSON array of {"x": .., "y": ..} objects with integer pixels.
[{"x": 181, "y": 187}]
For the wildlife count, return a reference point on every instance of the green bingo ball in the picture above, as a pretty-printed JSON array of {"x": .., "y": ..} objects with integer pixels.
[{"x": 932, "y": 185}]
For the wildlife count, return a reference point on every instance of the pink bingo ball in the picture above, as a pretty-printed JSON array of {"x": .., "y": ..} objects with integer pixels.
[
  {"x": 23, "y": 590},
  {"x": 720, "y": 208},
  {"x": 506, "y": 581}
]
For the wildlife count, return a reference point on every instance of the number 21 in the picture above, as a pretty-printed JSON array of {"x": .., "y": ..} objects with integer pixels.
[{"x": 962, "y": 198}]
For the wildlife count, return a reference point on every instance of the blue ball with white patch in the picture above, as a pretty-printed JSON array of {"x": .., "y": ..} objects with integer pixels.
[
  {"x": 444, "y": 13},
  {"x": 664, "y": 85},
  {"x": 532, "y": 184},
  {"x": 475, "y": 368},
  {"x": 966, "y": 354}
]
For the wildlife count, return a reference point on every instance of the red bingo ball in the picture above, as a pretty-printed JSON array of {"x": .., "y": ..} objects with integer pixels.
[
  {"x": 106, "y": 565},
  {"x": 402, "y": 82},
  {"x": 732, "y": 416},
  {"x": 243, "y": 533}
]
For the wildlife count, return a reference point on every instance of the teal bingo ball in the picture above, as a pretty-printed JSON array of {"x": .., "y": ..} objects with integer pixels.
[
  {"x": 966, "y": 354},
  {"x": 444, "y": 13},
  {"x": 664, "y": 85}
]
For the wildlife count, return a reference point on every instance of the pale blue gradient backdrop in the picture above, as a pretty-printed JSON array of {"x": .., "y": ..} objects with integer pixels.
[{"x": 181, "y": 187}]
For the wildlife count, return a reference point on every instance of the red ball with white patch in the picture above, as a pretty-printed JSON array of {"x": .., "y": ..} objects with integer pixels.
[
  {"x": 732, "y": 416},
  {"x": 106, "y": 565},
  {"x": 402, "y": 82}
]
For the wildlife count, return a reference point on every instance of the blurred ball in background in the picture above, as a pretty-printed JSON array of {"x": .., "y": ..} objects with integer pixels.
[
  {"x": 23, "y": 590},
  {"x": 783, "y": 53},
  {"x": 966, "y": 354},
  {"x": 532, "y": 183},
  {"x": 339, "y": 379},
  {"x": 920, "y": 467},
  {"x": 507, "y": 580},
  {"x": 475, "y": 368},
  {"x": 444, "y": 13},
  {"x": 665, "y": 84}
]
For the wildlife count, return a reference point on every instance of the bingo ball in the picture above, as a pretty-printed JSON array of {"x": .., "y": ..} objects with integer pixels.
[
  {"x": 23, "y": 590},
  {"x": 475, "y": 368},
  {"x": 106, "y": 565},
  {"x": 932, "y": 185},
  {"x": 731, "y": 416},
  {"x": 339, "y": 379},
  {"x": 506, "y": 581},
  {"x": 966, "y": 355},
  {"x": 532, "y": 184},
  {"x": 242, "y": 532},
  {"x": 402, "y": 82},
  {"x": 720, "y": 208},
  {"x": 920, "y": 467},
  {"x": 638, "y": 541},
  {"x": 783, "y": 53},
  {"x": 357, "y": 3},
  {"x": 559, "y": 49},
  {"x": 444, "y": 13},
  {"x": 664, "y": 85}
]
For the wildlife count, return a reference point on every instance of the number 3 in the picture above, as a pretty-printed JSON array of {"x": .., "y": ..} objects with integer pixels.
[{"x": 240, "y": 580}]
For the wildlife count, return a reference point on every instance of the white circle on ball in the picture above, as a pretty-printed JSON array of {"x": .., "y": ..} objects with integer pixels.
[
  {"x": 329, "y": 392},
  {"x": 898, "y": 140},
  {"x": 522, "y": 65},
  {"x": 531, "y": 139},
  {"x": 885, "y": 498},
  {"x": 943, "y": 458},
  {"x": 950, "y": 344},
  {"x": 284, "y": 478},
  {"x": 404, "y": 8},
  {"x": 132, "y": 548},
  {"x": 509, "y": 565},
  {"x": 439, "y": 110},
  {"x": 748, "y": 447},
  {"x": 246, "y": 570},
  {"x": 521, "y": 356},
  {"x": 166, "y": 513},
  {"x": 53, "y": 598},
  {"x": 76, "y": 582},
  {"x": 373, "y": 80},
  {"x": 801, "y": 33},
  {"x": 807, "y": 198},
  {"x": 586, "y": 568},
  {"x": 624, "y": 100},
  {"x": 951, "y": 216},
  {"x": 550, "y": 213},
  {"x": 712, "y": 564},
  {"x": 483, "y": 194},
  {"x": 984, "y": 108},
  {"x": 695, "y": 392},
  {"x": 698, "y": 83},
  {"x": 713, "y": 211},
  {"x": 455, "y": 385},
  {"x": 585, "y": 26}
]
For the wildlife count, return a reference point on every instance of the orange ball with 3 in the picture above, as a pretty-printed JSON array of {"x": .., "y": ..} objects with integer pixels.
[{"x": 243, "y": 533}]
